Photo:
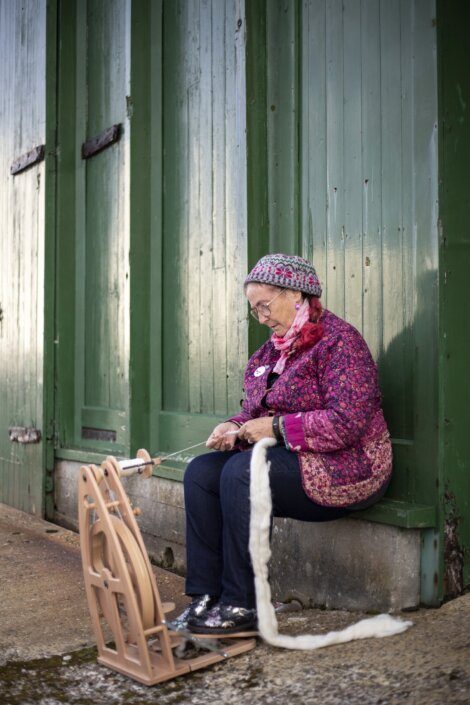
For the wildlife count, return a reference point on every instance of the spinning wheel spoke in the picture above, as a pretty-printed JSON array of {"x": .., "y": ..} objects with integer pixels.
[{"x": 134, "y": 562}]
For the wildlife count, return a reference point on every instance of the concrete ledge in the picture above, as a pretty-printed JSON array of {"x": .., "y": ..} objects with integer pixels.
[
  {"x": 350, "y": 563},
  {"x": 346, "y": 564}
]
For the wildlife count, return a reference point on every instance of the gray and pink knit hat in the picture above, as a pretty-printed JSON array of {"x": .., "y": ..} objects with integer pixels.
[{"x": 287, "y": 271}]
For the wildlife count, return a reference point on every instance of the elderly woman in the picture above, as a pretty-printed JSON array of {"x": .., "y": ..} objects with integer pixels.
[{"x": 313, "y": 386}]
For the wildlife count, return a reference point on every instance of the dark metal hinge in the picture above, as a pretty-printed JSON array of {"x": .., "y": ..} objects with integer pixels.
[
  {"x": 94, "y": 145},
  {"x": 34, "y": 156}
]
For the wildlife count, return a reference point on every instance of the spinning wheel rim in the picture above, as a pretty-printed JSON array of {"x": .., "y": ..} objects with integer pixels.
[{"x": 135, "y": 565}]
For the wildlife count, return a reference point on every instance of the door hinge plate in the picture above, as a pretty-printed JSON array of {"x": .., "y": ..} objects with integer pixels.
[
  {"x": 94, "y": 145},
  {"x": 34, "y": 156}
]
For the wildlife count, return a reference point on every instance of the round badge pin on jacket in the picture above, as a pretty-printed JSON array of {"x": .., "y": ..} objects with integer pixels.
[{"x": 260, "y": 371}]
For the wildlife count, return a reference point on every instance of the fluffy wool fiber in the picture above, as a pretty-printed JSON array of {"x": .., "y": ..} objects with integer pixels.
[{"x": 261, "y": 507}]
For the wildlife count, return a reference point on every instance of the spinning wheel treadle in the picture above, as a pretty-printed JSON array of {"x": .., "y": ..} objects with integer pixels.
[{"x": 121, "y": 589}]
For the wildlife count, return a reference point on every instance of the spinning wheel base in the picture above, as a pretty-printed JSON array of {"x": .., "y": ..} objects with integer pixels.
[
  {"x": 223, "y": 637},
  {"x": 162, "y": 673}
]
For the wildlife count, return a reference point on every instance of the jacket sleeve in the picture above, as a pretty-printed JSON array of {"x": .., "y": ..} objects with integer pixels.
[
  {"x": 241, "y": 417},
  {"x": 347, "y": 378}
]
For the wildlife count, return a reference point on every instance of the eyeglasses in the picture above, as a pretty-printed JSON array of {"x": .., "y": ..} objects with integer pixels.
[{"x": 264, "y": 309}]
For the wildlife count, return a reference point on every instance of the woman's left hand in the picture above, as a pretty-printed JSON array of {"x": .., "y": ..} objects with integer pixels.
[{"x": 252, "y": 431}]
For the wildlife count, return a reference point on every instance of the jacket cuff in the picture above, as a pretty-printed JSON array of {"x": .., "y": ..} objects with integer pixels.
[
  {"x": 239, "y": 420},
  {"x": 294, "y": 432}
]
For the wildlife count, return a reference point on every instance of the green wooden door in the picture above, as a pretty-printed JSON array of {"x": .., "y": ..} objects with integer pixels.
[
  {"x": 344, "y": 128},
  {"x": 368, "y": 175},
  {"x": 204, "y": 241},
  {"x": 343, "y": 119},
  {"x": 22, "y": 205},
  {"x": 93, "y": 227}
]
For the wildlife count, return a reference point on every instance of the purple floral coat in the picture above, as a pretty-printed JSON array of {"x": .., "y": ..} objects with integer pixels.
[{"x": 329, "y": 397}]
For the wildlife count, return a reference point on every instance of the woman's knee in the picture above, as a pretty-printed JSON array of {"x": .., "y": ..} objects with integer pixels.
[
  {"x": 197, "y": 470},
  {"x": 203, "y": 471},
  {"x": 235, "y": 477}
]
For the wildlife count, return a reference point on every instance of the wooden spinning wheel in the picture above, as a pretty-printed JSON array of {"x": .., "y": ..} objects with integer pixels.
[
  {"x": 141, "y": 582},
  {"x": 121, "y": 589}
]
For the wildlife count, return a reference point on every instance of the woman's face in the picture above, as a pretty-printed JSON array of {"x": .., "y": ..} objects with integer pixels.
[{"x": 282, "y": 308}]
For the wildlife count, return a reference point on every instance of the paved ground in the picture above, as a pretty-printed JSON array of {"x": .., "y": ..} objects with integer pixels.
[{"x": 47, "y": 657}]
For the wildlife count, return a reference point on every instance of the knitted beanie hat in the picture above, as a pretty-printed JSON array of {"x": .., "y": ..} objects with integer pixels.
[{"x": 287, "y": 271}]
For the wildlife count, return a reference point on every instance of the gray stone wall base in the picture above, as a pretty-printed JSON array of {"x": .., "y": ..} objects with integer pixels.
[{"x": 345, "y": 564}]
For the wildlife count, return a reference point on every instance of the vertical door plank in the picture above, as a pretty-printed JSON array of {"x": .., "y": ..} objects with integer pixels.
[
  {"x": 220, "y": 312},
  {"x": 176, "y": 299},
  {"x": 282, "y": 125},
  {"x": 335, "y": 151},
  {"x": 156, "y": 251},
  {"x": 392, "y": 243},
  {"x": 371, "y": 176},
  {"x": 352, "y": 157},
  {"x": 422, "y": 272},
  {"x": 80, "y": 168},
  {"x": 406, "y": 210},
  {"x": 313, "y": 149},
  {"x": 206, "y": 176},
  {"x": 193, "y": 82},
  {"x": 236, "y": 176}
]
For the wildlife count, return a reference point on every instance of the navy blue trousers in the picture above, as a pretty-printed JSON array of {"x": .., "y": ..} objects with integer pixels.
[{"x": 217, "y": 501}]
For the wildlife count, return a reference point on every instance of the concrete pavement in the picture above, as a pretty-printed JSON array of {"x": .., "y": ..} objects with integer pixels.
[{"x": 47, "y": 654}]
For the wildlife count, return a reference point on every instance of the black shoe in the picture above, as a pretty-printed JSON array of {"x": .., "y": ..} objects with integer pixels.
[
  {"x": 198, "y": 608},
  {"x": 224, "y": 619}
]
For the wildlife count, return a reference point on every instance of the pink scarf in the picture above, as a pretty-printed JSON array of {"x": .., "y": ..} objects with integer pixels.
[{"x": 285, "y": 343}]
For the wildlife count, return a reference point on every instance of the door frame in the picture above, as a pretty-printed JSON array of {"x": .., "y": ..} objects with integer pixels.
[{"x": 49, "y": 428}]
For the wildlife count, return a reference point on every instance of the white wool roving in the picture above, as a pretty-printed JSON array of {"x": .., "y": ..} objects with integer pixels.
[{"x": 261, "y": 505}]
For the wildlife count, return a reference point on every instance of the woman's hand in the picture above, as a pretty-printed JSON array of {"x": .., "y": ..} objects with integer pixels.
[
  {"x": 223, "y": 436},
  {"x": 252, "y": 431}
]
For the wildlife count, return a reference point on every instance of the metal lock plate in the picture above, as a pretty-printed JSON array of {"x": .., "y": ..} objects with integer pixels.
[{"x": 22, "y": 434}]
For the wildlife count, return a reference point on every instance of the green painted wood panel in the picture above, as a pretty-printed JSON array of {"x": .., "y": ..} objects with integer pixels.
[
  {"x": 204, "y": 206},
  {"x": 66, "y": 239},
  {"x": 49, "y": 342},
  {"x": 94, "y": 224},
  {"x": 454, "y": 290},
  {"x": 256, "y": 146},
  {"x": 22, "y": 204},
  {"x": 360, "y": 111},
  {"x": 145, "y": 110},
  {"x": 363, "y": 101},
  {"x": 282, "y": 157},
  {"x": 106, "y": 228},
  {"x": 102, "y": 220}
]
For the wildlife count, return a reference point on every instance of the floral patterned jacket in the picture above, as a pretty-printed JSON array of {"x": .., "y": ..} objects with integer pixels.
[{"x": 329, "y": 397}]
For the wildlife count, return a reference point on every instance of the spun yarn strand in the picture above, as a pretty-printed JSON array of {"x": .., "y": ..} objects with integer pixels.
[{"x": 379, "y": 626}]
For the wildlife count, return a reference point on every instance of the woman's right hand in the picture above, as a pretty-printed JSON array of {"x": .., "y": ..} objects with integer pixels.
[{"x": 219, "y": 441}]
